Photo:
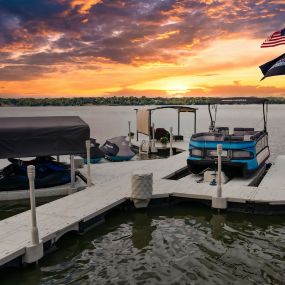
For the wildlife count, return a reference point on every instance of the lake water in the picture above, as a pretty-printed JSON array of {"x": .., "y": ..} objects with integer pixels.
[{"x": 186, "y": 244}]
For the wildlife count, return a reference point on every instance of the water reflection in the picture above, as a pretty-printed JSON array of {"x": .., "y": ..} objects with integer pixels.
[
  {"x": 142, "y": 229},
  {"x": 217, "y": 223}
]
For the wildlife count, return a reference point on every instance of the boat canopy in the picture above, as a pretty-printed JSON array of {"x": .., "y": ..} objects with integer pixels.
[
  {"x": 144, "y": 117},
  {"x": 238, "y": 101},
  {"x": 42, "y": 136}
]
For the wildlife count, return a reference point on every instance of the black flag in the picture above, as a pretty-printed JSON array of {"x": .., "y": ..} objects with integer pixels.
[{"x": 274, "y": 67}]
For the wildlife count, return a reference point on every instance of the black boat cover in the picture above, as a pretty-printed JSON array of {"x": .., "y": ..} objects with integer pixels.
[
  {"x": 42, "y": 136},
  {"x": 95, "y": 151},
  {"x": 117, "y": 146}
]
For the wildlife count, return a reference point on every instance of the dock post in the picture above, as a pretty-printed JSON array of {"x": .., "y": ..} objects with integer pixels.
[
  {"x": 218, "y": 201},
  {"x": 219, "y": 188},
  {"x": 35, "y": 251},
  {"x": 153, "y": 148},
  {"x": 142, "y": 188},
  {"x": 88, "y": 146},
  {"x": 31, "y": 176},
  {"x": 72, "y": 175},
  {"x": 171, "y": 141},
  {"x": 130, "y": 138}
]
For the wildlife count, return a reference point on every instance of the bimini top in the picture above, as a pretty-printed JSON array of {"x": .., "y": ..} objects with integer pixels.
[
  {"x": 41, "y": 136},
  {"x": 144, "y": 117},
  {"x": 239, "y": 101},
  {"x": 179, "y": 108}
]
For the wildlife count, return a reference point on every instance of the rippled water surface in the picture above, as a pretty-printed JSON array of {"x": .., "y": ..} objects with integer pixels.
[{"x": 183, "y": 244}]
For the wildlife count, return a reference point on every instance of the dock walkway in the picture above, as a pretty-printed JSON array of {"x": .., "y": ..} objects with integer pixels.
[{"x": 112, "y": 186}]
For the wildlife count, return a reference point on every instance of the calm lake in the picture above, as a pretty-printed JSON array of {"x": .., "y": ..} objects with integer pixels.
[{"x": 186, "y": 244}]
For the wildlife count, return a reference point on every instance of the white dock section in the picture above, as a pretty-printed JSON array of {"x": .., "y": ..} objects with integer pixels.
[{"x": 112, "y": 186}]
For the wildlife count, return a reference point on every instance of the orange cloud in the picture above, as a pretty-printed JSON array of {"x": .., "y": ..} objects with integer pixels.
[
  {"x": 166, "y": 35},
  {"x": 171, "y": 48},
  {"x": 237, "y": 90},
  {"x": 138, "y": 93},
  {"x": 85, "y": 5}
]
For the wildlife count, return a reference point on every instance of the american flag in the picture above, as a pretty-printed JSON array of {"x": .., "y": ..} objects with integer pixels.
[{"x": 276, "y": 39}]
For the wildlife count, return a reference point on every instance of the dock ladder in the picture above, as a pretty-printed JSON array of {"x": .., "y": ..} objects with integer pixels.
[{"x": 144, "y": 147}]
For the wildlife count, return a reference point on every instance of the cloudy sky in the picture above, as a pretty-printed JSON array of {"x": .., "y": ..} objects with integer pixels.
[{"x": 138, "y": 47}]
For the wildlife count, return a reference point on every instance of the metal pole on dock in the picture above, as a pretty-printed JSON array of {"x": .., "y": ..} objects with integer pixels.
[
  {"x": 153, "y": 148},
  {"x": 171, "y": 140},
  {"x": 178, "y": 123},
  {"x": 88, "y": 146},
  {"x": 34, "y": 231},
  {"x": 195, "y": 122},
  {"x": 219, "y": 188},
  {"x": 35, "y": 250},
  {"x": 130, "y": 138},
  {"x": 72, "y": 174},
  {"x": 218, "y": 201}
]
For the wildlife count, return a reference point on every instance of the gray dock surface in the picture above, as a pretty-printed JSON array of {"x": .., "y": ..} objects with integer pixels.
[{"x": 112, "y": 186}]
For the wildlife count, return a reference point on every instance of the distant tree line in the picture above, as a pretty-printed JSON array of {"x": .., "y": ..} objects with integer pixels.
[{"x": 115, "y": 101}]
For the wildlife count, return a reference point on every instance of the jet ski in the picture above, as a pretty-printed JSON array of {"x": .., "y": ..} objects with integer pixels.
[
  {"x": 49, "y": 173},
  {"x": 117, "y": 149},
  {"x": 96, "y": 154}
]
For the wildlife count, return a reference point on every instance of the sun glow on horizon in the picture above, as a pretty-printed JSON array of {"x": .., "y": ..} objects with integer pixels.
[{"x": 147, "y": 48}]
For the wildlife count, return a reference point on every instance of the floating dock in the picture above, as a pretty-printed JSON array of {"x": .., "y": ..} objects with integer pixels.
[{"x": 112, "y": 187}]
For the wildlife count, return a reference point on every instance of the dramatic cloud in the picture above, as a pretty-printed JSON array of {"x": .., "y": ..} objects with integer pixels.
[{"x": 42, "y": 38}]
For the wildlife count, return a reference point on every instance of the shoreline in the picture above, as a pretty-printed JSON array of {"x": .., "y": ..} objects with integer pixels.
[{"x": 115, "y": 101}]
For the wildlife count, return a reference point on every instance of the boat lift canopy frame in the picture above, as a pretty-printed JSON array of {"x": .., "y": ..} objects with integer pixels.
[
  {"x": 239, "y": 101},
  {"x": 180, "y": 109},
  {"x": 42, "y": 136}
]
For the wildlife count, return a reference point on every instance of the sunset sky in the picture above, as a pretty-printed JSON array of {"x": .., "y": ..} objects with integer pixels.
[{"x": 172, "y": 48}]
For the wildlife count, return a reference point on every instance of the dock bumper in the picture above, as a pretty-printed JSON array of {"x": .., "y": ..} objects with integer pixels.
[
  {"x": 219, "y": 203},
  {"x": 142, "y": 189},
  {"x": 33, "y": 253}
]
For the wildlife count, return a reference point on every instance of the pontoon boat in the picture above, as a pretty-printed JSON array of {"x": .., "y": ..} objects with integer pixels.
[{"x": 245, "y": 150}]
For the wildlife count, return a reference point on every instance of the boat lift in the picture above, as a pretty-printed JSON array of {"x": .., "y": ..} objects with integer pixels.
[{"x": 26, "y": 137}]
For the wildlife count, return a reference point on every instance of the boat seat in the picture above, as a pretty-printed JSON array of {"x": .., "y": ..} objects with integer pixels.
[
  {"x": 234, "y": 138},
  {"x": 256, "y": 135},
  {"x": 237, "y": 138},
  {"x": 204, "y": 136},
  {"x": 243, "y": 131},
  {"x": 247, "y": 137},
  {"x": 219, "y": 137},
  {"x": 161, "y": 132},
  {"x": 223, "y": 130},
  {"x": 178, "y": 138}
]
